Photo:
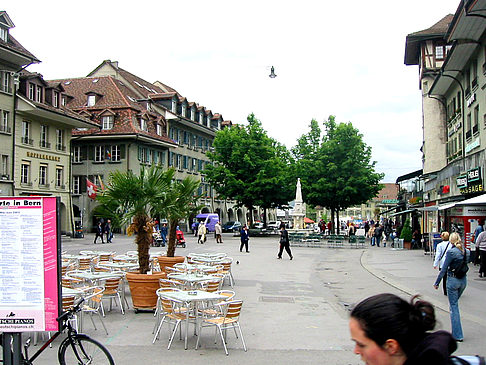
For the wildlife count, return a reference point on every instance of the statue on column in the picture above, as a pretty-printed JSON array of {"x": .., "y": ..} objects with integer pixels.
[{"x": 299, "y": 208}]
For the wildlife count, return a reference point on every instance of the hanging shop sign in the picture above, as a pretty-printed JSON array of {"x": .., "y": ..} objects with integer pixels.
[{"x": 470, "y": 182}]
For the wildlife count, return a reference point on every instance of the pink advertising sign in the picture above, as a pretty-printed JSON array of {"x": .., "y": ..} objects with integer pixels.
[{"x": 29, "y": 292}]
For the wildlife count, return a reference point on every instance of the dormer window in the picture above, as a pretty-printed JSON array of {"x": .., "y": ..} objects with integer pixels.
[
  {"x": 143, "y": 124},
  {"x": 91, "y": 100},
  {"x": 183, "y": 113},
  {"x": 174, "y": 106},
  {"x": 55, "y": 100},
  {"x": 159, "y": 129},
  {"x": 31, "y": 91},
  {"x": 201, "y": 118},
  {"x": 4, "y": 34},
  {"x": 107, "y": 121},
  {"x": 63, "y": 101},
  {"x": 38, "y": 94},
  {"x": 193, "y": 114}
]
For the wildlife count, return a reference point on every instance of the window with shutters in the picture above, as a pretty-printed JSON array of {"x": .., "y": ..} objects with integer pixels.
[
  {"x": 99, "y": 154},
  {"x": 77, "y": 154},
  {"x": 77, "y": 185},
  {"x": 115, "y": 152},
  {"x": 25, "y": 172}
]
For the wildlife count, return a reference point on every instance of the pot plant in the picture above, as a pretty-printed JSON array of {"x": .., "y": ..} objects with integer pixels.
[
  {"x": 179, "y": 202},
  {"x": 130, "y": 200},
  {"x": 134, "y": 201},
  {"x": 406, "y": 234}
]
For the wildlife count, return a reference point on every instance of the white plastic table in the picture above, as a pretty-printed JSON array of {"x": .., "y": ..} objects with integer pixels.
[{"x": 192, "y": 299}]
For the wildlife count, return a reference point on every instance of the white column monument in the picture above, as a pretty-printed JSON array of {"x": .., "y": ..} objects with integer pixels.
[{"x": 298, "y": 213}]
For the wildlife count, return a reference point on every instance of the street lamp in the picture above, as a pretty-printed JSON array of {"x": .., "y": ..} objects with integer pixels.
[{"x": 272, "y": 73}]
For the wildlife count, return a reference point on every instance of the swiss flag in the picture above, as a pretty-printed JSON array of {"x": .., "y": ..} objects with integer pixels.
[{"x": 92, "y": 189}]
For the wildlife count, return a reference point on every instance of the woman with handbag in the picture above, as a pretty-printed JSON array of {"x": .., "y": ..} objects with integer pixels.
[
  {"x": 284, "y": 242},
  {"x": 455, "y": 267},
  {"x": 440, "y": 256}
]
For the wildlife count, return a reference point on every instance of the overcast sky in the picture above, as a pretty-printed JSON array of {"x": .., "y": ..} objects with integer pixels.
[{"x": 342, "y": 58}]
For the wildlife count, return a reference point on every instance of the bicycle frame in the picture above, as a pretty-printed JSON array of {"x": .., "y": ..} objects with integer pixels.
[{"x": 64, "y": 319}]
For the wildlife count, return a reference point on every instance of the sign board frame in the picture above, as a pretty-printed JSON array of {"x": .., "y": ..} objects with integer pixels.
[{"x": 30, "y": 264}]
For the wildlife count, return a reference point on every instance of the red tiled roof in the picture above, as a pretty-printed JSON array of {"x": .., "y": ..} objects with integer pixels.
[
  {"x": 115, "y": 96},
  {"x": 15, "y": 46}
]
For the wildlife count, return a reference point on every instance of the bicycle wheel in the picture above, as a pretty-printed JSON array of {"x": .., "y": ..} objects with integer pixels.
[{"x": 88, "y": 350}]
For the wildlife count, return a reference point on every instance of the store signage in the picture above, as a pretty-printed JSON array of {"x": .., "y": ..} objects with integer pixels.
[
  {"x": 471, "y": 182},
  {"x": 389, "y": 201},
  {"x": 472, "y": 145},
  {"x": 461, "y": 181},
  {"x": 43, "y": 156},
  {"x": 29, "y": 291}
]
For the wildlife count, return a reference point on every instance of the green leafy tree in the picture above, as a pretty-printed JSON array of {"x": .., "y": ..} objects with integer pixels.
[
  {"x": 132, "y": 200},
  {"x": 335, "y": 167},
  {"x": 250, "y": 167}
]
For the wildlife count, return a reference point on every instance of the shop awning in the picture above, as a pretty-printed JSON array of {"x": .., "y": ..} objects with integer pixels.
[
  {"x": 432, "y": 208},
  {"x": 477, "y": 200},
  {"x": 403, "y": 212},
  {"x": 447, "y": 206}
]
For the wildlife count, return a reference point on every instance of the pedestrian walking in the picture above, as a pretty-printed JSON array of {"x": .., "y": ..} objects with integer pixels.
[
  {"x": 351, "y": 229},
  {"x": 244, "y": 237},
  {"x": 163, "y": 233},
  {"x": 371, "y": 235},
  {"x": 284, "y": 242},
  {"x": 481, "y": 246},
  {"x": 476, "y": 254},
  {"x": 98, "y": 233},
  {"x": 388, "y": 330},
  {"x": 440, "y": 256},
  {"x": 456, "y": 258},
  {"x": 201, "y": 233},
  {"x": 218, "y": 231},
  {"x": 108, "y": 231}
]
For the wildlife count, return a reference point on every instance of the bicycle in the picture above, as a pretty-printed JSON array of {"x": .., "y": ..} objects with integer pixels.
[{"x": 84, "y": 350}]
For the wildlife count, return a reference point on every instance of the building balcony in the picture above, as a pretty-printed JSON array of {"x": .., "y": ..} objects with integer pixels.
[
  {"x": 27, "y": 140},
  {"x": 5, "y": 129},
  {"x": 44, "y": 144}
]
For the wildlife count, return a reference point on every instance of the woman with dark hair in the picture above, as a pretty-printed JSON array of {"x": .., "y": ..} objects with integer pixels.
[
  {"x": 387, "y": 330},
  {"x": 284, "y": 242},
  {"x": 456, "y": 257}
]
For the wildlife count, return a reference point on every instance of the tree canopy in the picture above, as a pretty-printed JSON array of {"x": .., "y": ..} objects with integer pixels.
[
  {"x": 335, "y": 166},
  {"x": 250, "y": 167}
]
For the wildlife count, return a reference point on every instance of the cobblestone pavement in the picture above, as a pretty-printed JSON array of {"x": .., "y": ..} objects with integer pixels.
[{"x": 294, "y": 311}]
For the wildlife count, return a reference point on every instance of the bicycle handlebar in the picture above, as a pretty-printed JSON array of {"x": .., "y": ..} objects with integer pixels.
[{"x": 74, "y": 309}]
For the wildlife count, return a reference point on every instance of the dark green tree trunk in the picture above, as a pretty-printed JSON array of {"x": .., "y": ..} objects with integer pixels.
[
  {"x": 143, "y": 241},
  {"x": 171, "y": 242}
]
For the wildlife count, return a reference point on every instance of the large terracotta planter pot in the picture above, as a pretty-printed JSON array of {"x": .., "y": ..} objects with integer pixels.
[
  {"x": 169, "y": 261},
  {"x": 143, "y": 288},
  {"x": 407, "y": 245}
]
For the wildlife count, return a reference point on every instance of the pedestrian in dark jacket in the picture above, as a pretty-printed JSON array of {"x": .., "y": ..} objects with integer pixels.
[
  {"x": 284, "y": 242},
  {"x": 388, "y": 330},
  {"x": 245, "y": 237},
  {"x": 99, "y": 233},
  {"x": 108, "y": 231}
]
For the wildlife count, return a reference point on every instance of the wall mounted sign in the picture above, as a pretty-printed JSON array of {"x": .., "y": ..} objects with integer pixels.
[
  {"x": 471, "y": 182},
  {"x": 29, "y": 264}
]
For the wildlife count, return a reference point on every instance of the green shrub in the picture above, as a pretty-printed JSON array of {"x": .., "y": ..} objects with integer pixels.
[{"x": 406, "y": 233}]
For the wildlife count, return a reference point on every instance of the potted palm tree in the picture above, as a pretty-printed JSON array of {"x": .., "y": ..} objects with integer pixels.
[
  {"x": 179, "y": 202},
  {"x": 133, "y": 201}
]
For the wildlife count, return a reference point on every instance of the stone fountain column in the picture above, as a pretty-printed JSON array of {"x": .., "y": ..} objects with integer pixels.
[{"x": 299, "y": 208}]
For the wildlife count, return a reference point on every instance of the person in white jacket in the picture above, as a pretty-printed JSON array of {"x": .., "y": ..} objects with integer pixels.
[{"x": 440, "y": 256}]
